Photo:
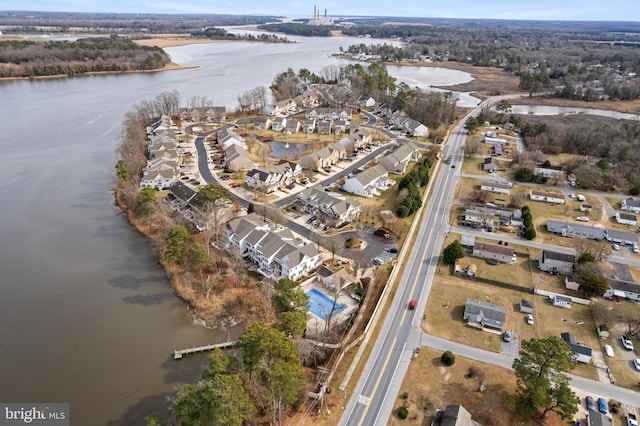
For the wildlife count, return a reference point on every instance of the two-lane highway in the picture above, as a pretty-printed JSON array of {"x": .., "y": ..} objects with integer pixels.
[{"x": 375, "y": 393}]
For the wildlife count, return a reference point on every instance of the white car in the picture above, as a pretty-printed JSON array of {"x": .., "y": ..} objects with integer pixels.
[
  {"x": 636, "y": 363},
  {"x": 615, "y": 247},
  {"x": 529, "y": 319},
  {"x": 635, "y": 248},
  {"x": 582, "y": 218},
  {"x": 627, "y": 343}
]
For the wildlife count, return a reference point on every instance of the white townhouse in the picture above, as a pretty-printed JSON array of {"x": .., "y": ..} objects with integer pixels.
[
  {"x": 279, "y": 124},
  {"x": 396, "y": 161},
  {"x": 227, "y": 137},
  {"x": 270, "y": 178},
  {"x": 237, "y": 158},
  {"x": 333, "y": 209},
  {"x": 368, "y": 182},
  {"x": 277, "y": 254}
]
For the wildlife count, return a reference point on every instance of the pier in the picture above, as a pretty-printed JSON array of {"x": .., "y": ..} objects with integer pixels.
[{"x": 178, "y": 354}]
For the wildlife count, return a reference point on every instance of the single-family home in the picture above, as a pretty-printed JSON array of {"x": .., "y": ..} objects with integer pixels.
[
  {"x": 623, "y": 290},
  {"x": 264, "y": 179},
  {"x": 414, "y": 128},
  {"x": 495, "y": 141},
  {"x": 397, "y": 160},
  {"x": 227, "y": 137},
  {"x": 579, "y": 352},
  {"x": 480, "y": 216},
  {"x": 630, "y": 205},
  {"x": 547, "y": 196},
  {"x": 526, "y": 306},
  {"x": 485, "y": 314},
  {"x": 556, "y": 263},
  {"x": 366, "y": 101},
  {"x": 368, "y": 182},
  {"x": 490, "y": 164},
  {"x": 621, "y": 237},
  {"x": 499, "y": 187},
  {"x": 331, "y": 208},
  {"x": 309, "y": 126},
  {"x": 454, "y": 415},
  {"x": 500, "y": 253},
  {"x": 551, "y": 173},
  {"x": 237, "y": 158},
  {"x": 626, "y": 219},
  {"x": 560, "y": 301},
  {"x": 567, "y": 229},
  {"x": 362, "y": 137},
  {"x": 279, "y": 124},
  {"x": 262, "y": 123}
]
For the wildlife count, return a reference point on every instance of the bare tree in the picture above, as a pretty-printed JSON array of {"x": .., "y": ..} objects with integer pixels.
[
  {"x": 517, "y": 200},
  {"x": 471, "y": 147}
]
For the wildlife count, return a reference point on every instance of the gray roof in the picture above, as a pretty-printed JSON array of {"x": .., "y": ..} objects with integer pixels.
[
  {"x": 596, "y": 418},
  {"x": 554, "y": 255},
  {"x": 494, "y": 248},
  {"x": 574, "y": 346},
  {"x": 631, "y": 202},
  {"x": 503, "y": 185},
  {"x": 369, "y": 175},
  {"x": 485, "y": 313},
  {"x": 627, "y": 216},
  {"x": 182, "y": 191},
  {"x": 575, "y": 229},
  {"x": 613, "y": 234}
]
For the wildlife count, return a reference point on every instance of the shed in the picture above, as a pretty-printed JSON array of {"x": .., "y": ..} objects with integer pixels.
[
  {"x": 468, "y": 240},
  {"x": 603, "y": 331},
  {"x": 472, "y": 269},
  {"x": 526, "y": 306}
]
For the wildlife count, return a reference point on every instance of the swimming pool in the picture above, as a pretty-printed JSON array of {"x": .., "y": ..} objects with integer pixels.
[{"x": 320, "y": 305}]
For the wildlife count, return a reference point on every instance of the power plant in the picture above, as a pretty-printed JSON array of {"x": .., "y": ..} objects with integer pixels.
[{"x": 318, "y": 20}]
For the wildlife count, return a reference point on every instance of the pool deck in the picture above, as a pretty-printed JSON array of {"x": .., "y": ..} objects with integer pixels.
[{"x": 316, "y": 324}]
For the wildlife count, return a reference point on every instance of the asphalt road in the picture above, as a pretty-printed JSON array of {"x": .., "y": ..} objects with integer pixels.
[{"x": 375, "y": 393}]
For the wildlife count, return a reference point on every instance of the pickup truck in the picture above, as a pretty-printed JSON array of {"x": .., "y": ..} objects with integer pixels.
[{"x": 632, "y": 420}]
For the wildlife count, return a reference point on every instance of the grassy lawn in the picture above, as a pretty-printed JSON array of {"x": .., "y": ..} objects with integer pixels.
[
  {"x": 429, "y": 380},
  {"x": 473, "y": 166}
]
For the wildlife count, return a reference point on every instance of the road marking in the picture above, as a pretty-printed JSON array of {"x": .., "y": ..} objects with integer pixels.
[
  {"x": 363, "y": 399},
  {"x": 375, "y": 386}
]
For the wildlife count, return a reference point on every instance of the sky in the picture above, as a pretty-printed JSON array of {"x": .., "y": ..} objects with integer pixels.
[{"x": 575, "y": 10}]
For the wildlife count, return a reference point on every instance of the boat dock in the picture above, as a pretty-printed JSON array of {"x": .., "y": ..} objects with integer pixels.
[{"x": 178, "y": 354}]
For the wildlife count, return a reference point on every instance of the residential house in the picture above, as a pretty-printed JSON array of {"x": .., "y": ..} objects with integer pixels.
[
  {"x": 499, "y": 187},
  {"x": 264, "y": 179},
  {"x": 550, "y": 173},
  {"x": 279, "y": 124},
  {"x": 596, "y": 418},
  {"x": 623, "y": 290},
  {"x": 324, "y": 127},
  {"x": 490, "y": 164},
  {"x": 309, "y": 126},
  {"x": 454, "y": 415},
  {"x": 207, "y": 114},
  {"x": 276, "y": 254},
  {"x": 397, "y": 160},
  {"x": 496, "y": 149},
  {"x": 568, "y": 229},
  {"x": 484, "y": 314},
  {"x": 579, "y": 352},
  {"x": 366, "y": 101},
  {"x": 237, "y": 158},
  {"x": 292, "y": 127},
  {"x": 281, "y": 108},
  {"x": 333, "y": 210},
  {"x": 480, "y": 216},
  {"x": 630, "y": 205},
  {"x": 335, "y": 280},
  {"x": 561, "y": 301},
  {"x": 180, "y": 195},
  {"x": 621, "y": 237},
  {"x": 227, "y": 137},
  {"x": 556, "y": 263},
  {"x": 161, "y": 177},
  {"x": 495, "y": 141},
  {"x": 313, "y": 161},
  {"x": 362, "y": 137},
  {"x": 626, "y": 219},
  {"x": 262, "y": 123},
  {"x": 547, "y": 196},
  {"x": 368, "y": 182},
  {"x": 414, "y": 128},
  {"x": 340, "y": 126},
  {"x": 500, "y": 253},
  {"x": 526, "y": 306}
]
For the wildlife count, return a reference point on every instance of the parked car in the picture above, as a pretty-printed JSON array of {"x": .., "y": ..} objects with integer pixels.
[
  {"x": 234, "y": 184},
  {"x": 635, "y": 248},
  {"x": 627, "y": 343},
  {"x": 378, "y": 261},
  {"x": 632, "y": 419},
  {"x": 582, "y": 218},
  {"x": 392, "y": 250},
  {"x": 609, "y": 351},
  {"x": 506, "y": 336},
  {"x": 591, "y": 405},
  {"x": 529, "y": 319},
  {"x": 615, "y": 247},
  {"x": 311, "y": 219},
  {"x": 636, "y": 363},
  {"x": 602, "y": 406},
  {"x": 225, "y": 177}
]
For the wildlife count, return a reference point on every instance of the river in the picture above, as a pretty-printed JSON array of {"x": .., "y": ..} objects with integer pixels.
[{"x": 87, "y": 314}]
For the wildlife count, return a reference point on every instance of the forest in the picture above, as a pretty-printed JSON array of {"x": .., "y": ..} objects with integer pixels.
[{"x": 48, "y": 58}]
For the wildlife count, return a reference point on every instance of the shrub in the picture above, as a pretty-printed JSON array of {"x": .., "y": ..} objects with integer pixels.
[
  {"x": 448, "y": 358},
  {"x": 403, "y": 412},
  {"x": 405, "y": 395}
]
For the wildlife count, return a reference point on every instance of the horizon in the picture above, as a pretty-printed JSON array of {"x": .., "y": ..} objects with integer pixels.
[{"x": 543, "y": 10}]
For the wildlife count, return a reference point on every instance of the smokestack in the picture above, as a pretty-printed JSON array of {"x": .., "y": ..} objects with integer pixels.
[
  {"x": 314, "y": 11},
  {"x": 325, "y": 13}
]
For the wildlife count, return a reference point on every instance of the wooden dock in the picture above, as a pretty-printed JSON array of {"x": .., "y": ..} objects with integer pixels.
[{"x": 178, "y": 354}]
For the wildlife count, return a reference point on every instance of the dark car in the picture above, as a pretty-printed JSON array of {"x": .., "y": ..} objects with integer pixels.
[
  {"x": 506, "y": 336},
  {"x": 591, "y": 405}
]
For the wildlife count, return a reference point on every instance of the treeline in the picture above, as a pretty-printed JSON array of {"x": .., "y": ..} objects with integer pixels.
[
  {"x": 78, "y": 57},
  {"x": 222, "y": 34},
  {"x": 299, "y": 29}
]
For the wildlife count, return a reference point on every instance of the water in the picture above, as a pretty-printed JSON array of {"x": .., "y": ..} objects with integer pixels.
[
  {"x": 87, "y": 314},
  {"x": 287, "y": 150},
  {"x": 320, "y": 305}
]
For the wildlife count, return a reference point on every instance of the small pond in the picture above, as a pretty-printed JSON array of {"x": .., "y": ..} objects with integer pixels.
[{"x": 287, "y": 150}]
